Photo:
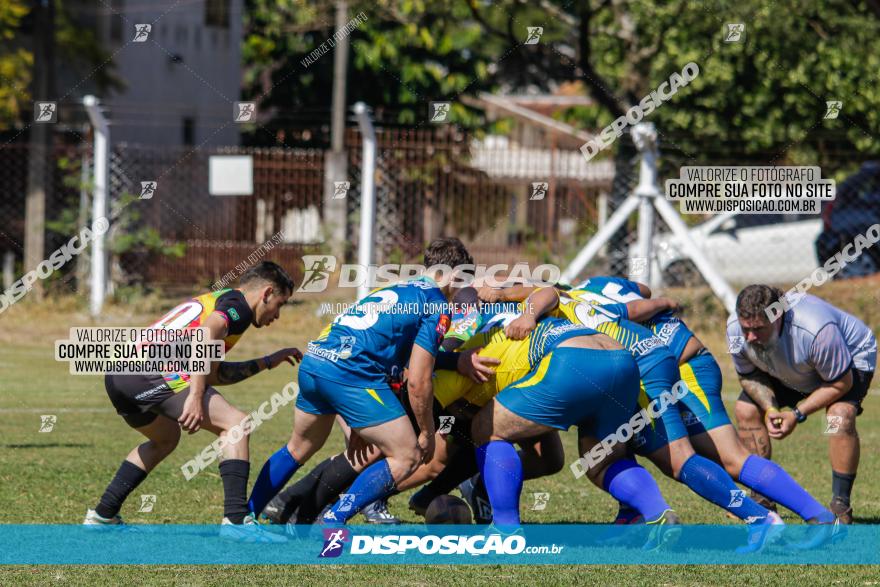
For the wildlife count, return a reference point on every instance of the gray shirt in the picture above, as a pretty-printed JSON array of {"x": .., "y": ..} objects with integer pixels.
[{"x": 818, "y": 343}]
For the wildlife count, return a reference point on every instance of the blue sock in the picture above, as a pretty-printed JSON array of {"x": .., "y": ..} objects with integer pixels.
[
  {"x": 708, "y": 480},
  {"x": 502, "y": 473},
  {"x": 374, "y": 482},
  {"x": 630, "y": 483},
  {"x": 274, "y": 475},
  {"x": 768, "y": 478}
]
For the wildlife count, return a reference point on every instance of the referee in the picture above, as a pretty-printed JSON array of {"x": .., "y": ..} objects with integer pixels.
[{"x": 813, "y": 356}]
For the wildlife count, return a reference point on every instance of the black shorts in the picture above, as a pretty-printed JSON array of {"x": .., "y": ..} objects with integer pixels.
[
  {"x": 460, "y": 428},
  {"x": 788, "y": 397},
  {"x": 139, "y": 399}
]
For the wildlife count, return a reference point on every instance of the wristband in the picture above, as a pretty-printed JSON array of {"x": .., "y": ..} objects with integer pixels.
[
  {"x": 799, "y": 415},
  {"x": 266, "y": 362}
]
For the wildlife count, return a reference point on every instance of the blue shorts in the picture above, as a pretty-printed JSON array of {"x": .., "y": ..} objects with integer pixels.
[
  {"x": 594, "y": 389},
  {"x": 360, "y": 407},
  {"x": 703, "y": 409},
  {"x": 669, "y": 426}
]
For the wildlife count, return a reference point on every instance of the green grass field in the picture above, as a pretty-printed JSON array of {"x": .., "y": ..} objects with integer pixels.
[{"x": 53, "y": 477}]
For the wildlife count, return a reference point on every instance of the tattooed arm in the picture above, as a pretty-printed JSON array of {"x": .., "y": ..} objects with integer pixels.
[
  {"x": 228, "y": 373},
  {"x": 759, "y": 387}
]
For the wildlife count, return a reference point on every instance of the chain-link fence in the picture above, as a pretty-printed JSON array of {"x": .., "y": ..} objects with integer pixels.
[{"x": 508, "y": 203}]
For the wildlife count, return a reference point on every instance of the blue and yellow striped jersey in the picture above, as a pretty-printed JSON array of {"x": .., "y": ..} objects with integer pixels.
[
  {"x": 666, "y": 325},
  {"x": 647, "y": 349},
  {"x": 517, "y": 357}
]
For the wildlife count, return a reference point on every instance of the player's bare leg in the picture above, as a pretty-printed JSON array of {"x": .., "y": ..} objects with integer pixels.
[
  {"x": 845, "y": 451},
  {"x": 495, "y": 422},
  {"x": 755, "y": 438},
  {"x": 397, "y": 441},
  {"x": 428, "y": 471},
  {"x": 220, "y": 418},
  {"x": 542, "y": 455},
  {"x": 163, "y": 434},
  {"x": 751, "y": 429},
  {"x": 310, "y": 432},
  {"x": 722, "y": 445},
  {"x": 671, "y": 458}
]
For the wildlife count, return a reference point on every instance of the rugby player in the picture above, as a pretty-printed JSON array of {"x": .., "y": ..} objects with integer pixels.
[
  {"x": 665, "y": 441},
  {"x": 484, "y": 332},
  {"x": 813, "y": 356},
  {"x": 709, "y": 427},
  {"x": 346, "y": 372},
  {"x": 160, "y": 404},
  {"x": 310, "y": 495}
]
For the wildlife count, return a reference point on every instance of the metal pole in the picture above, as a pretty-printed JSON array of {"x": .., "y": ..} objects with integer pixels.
[
  {"x": 8, "y": 269},
  {"x": 645, "y": 138},
  {"x": 715, "y": 281},
  {"x": 99, "y": 202},
  {"x": 368, "y": 192},
  {"x": 340, "y": 68}
]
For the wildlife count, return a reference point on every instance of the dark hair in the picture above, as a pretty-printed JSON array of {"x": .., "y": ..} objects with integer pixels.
[
  {"x": 271, "y": 273},
  {"x": 447, "y": 251},
  {"x": 753, "y": 300}
]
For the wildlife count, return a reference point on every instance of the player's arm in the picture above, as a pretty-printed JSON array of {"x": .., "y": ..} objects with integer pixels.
[
  {"x": 421, "y": 397},
  {"x": 826, "y": 395},
  {"x": 759, "y": 387},
  {"x": 193, "y": 412},
  {"x": 536, "y": 305},
  {"x": 514, "y": 293},
  {"x": 820, "y": 398},
  {"x": 832, "y": 360},
  {"x": 642, "y": 310},
  {"x": 229, "y": 372},
  {"x": 644, "y": 290}
]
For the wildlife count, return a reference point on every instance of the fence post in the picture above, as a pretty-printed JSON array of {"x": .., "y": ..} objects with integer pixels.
[
  {"x": 645, "y": 138},
  {"x": 368, "y": 193},
  {"x": 99, "y": 202},
  {"x": 8, "y": 269}
]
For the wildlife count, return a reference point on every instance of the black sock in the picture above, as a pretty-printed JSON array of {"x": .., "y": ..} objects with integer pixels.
[
  {"x": 234, "y": 473},
  {"x": 292, "y": 497},
  {"x": 841, "y": 486},
  {"x": 127, "y": 478},
  {"x": 335, "y": 479},
  {"x": 461, "y": 467}
]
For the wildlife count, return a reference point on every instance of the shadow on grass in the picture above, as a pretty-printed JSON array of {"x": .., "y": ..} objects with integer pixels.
[{"x": 48, "y": 445}]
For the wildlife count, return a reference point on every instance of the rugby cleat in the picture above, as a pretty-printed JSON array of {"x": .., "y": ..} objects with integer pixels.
[
  {"x": 665, "y": 531},
  {"x": 821, "y": 534},
  {"x": 474, "y": 493},
  {"x": 763, "y": 533},
  {"x": 274, "y": 511},
  {"x": 841, "y": 510},
  {"x": 93, "y": 519},
  {"x": 617, "y": 534},
  {"x": 377, "y": 513},
  {"x": 248, "y": 532}
]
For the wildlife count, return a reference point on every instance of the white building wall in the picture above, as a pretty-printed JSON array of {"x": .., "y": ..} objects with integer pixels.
[{"x": 160, "y": 93}]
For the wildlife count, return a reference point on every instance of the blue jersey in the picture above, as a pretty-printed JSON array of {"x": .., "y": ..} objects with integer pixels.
[
  {"x": 666, "y": 325},
  {"x": 647, "y": 349},
  {"x": 371, "y": 342}
]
